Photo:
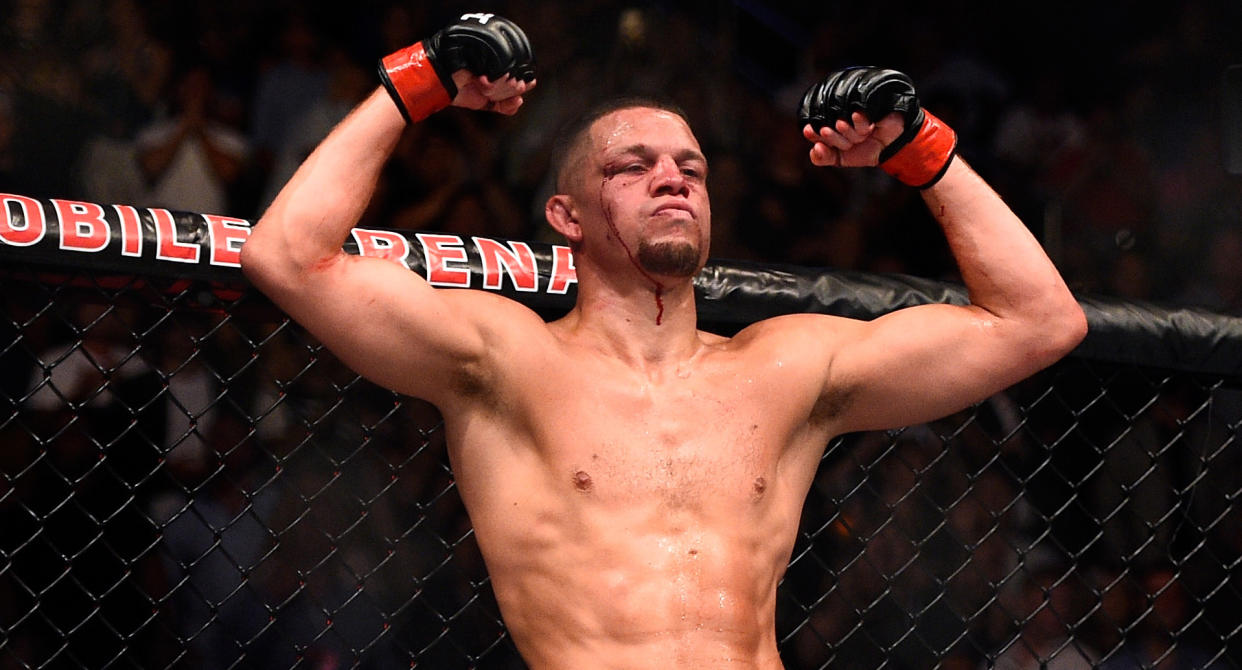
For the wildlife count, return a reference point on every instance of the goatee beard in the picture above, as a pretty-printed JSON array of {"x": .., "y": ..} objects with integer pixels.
[{"x": 669, "y": 259}]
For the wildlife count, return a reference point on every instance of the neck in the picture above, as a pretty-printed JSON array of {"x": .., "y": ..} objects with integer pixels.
[{"x": 645, "y": 323}]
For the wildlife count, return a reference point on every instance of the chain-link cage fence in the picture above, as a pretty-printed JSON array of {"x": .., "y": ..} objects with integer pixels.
[
  {"x": 187, "y": 479},
  {"x": 204, "y": 486},
  {"x": 1084, "y": 518}
]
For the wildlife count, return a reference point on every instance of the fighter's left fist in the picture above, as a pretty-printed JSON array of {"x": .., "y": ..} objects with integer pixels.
[{"x": 862, "y": 107}]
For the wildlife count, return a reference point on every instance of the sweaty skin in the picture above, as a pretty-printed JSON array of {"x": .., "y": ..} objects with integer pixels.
[
  {"x": 635, "y": 483},
  {"x": 639, "y": 514}
]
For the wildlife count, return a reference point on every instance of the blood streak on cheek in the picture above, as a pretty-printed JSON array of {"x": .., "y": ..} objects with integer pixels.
[{"x": 612, "y": 226}]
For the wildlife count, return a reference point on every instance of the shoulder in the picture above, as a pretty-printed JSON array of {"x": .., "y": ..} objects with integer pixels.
[
  {"x": 796, "y": 331},
  {"x": 495, "y": 310},
  {"x": 795, "y": 349},
  {"x": 505, "y": 343},
  {"x": 510, "y": 331},
  {"x": 807, "y": 350}
]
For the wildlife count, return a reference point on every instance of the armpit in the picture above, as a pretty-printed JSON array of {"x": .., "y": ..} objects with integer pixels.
[
  {"x": 832, "y": 403},
  {"x": 471, "y": 381}
]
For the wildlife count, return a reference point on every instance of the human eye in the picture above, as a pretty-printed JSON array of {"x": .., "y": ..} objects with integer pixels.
[{"x": 631, "y": 167}]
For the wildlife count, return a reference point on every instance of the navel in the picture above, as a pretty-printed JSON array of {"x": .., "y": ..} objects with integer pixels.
[{"x": 759, "y": 487}]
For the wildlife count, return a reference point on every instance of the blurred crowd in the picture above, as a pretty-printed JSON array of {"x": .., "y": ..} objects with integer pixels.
[{"x": 1102, "y": 128}]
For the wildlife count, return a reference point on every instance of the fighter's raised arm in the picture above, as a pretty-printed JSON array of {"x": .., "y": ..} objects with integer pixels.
[
  {"x": 380, "y": 319},
  {"x": 925, "y": 362}
]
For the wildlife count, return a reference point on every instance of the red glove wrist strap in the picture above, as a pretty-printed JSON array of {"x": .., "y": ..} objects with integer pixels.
[
  {"x": 925, "y": 159},
  {"x": 413, "y": 83}
]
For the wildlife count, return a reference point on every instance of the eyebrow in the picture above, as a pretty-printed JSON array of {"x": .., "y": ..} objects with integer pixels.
[{"x": 640, "y": 149}]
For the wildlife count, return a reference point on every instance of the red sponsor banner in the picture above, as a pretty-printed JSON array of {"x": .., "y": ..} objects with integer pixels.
[
  {"x": 124, "y": 240},
  {"x": 22, "y": 223},
  {"x": 446, "y": 260},
  {"x": 167, "y": 247},
  {"x": 131, "y": 230},
  {"x": 514, "y": 259},
  {"x": 384, "y": 244},
  {"x": 563, "y": 272},
  {"x": 227, "y": 237},
  {"x": 82, "y": 226}
]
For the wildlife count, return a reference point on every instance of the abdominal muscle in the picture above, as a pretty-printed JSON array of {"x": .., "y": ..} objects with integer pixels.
[{"x": 587, "y": 583}]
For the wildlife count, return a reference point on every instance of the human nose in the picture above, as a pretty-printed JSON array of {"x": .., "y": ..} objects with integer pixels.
[{"x": 668, "y": 179}]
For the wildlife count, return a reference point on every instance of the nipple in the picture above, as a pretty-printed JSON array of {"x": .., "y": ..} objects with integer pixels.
[{"x": 582, "y": 481}]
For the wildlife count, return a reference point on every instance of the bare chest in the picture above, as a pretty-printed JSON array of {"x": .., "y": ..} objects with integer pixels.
[{"x": 680, "y": 441}]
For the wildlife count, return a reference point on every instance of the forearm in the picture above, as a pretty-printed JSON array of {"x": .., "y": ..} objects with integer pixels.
[
  {"x": 311, "y": 217},
  {"x": 1003, "y": 266}
]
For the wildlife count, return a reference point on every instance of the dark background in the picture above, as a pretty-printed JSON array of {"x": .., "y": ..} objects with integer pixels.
[{"x": 1102, "y": 126}]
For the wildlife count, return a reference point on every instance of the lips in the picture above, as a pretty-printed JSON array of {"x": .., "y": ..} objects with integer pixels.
[{"x": 674, "y": 209}]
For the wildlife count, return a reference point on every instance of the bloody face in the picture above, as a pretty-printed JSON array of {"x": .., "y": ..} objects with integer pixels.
[{"x": 652, "y": 195}]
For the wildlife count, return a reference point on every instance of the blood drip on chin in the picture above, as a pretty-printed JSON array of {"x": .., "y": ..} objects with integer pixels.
[{"x": 659, "y": 288}]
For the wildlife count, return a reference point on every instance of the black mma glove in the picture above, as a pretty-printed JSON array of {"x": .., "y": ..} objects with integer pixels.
[
  {"x": 420, "y": 77},
  {"x": 920, "y": 155}
]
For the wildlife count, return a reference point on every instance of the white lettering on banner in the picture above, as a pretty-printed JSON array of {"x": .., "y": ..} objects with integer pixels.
[
  {"x": 563, "y": 271},
  {"x": 516, "y": 259},
  {"x": 31, "y": 225},
  {"x": 478, "y": 16},
  {"x": 82, "y": 226},
  {"x": 131, "y": 230},
  {"x": 382, "y": 244},
  {"x": 439, "y": 251},
  {"x": 227, "y": 237},
  {"x": 90, "y": 227},
  {"x": 167, "y": 248}
]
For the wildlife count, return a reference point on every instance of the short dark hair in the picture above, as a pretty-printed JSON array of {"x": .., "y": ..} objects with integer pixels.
[{"x": 573, "y": 131}]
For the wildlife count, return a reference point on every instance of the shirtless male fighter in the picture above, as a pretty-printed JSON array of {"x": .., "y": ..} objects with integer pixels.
[{"x": 635, "y": 483}]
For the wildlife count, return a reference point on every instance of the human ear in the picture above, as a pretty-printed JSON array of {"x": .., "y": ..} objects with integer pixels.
[{"x": 563, "y": 217}]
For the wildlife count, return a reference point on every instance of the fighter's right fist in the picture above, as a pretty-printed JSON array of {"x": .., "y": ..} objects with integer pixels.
[{"x": 420, "y": 77}]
